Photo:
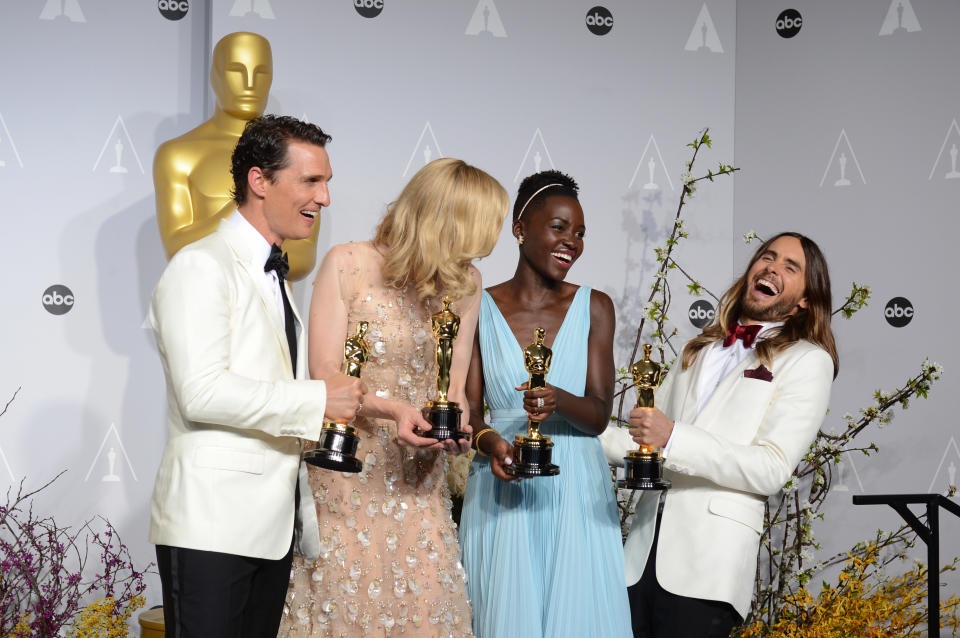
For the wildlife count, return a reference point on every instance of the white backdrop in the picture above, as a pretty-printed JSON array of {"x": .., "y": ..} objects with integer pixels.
[{"x": 93, "y": 87}]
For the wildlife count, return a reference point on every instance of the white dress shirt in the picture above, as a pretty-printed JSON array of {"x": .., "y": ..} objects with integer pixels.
[
  {"x": 718, "y": 363},
  {"x": 261, "y": 247}
]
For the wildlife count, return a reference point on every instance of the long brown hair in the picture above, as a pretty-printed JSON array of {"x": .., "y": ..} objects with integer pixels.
[{"x": 811, "y": 323}]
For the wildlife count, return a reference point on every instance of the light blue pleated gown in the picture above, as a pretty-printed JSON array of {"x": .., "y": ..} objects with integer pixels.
[{"x": 544, "y": 557}]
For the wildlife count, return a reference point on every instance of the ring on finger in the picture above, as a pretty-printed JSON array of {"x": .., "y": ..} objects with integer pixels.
[{"x": 539, "y": 402}]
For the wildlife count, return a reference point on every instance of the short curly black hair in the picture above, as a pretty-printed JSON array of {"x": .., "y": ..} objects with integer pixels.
[
  {"x": 264, "y": 144},
  {"x": 565, "y": 185}
]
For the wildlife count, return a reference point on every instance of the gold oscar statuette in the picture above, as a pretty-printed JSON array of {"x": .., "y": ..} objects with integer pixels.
[
  {"x": 337, "y": 447},
  {"x": 191, "y": 173},
  {"x": 442, "y": 413},
  {"x": 644, "y": 467},
  {"x": 534, "y": 450}
]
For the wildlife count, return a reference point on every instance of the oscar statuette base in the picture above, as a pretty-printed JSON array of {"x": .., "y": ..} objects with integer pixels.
[
  {"x": 643, "y": 471},
  {"x": 336, "y": 449},
  {"x": 445, "y": 418},
  {"x": 532, "y": 458}
]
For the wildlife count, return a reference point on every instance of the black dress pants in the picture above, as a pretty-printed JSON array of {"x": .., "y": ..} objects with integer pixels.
[
  {"x": 657, "y": 613},
  {"x": 214, "y": 595}
]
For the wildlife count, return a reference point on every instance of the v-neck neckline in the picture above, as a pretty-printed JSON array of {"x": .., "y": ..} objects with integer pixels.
[{"x": 563, "y": 322}]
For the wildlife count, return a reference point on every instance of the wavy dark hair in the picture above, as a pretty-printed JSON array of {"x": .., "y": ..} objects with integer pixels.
[
  {"x": 811, "y": 323},
  {"x": 264, "y": 144}
]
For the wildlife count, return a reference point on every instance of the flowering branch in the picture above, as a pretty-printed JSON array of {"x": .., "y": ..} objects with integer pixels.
[
  {"x": 43, "y": 566},
  {"x": 858, "y": 298},
  {"x": 787, "y": 545},
  {"x": 655, "y": 309}
]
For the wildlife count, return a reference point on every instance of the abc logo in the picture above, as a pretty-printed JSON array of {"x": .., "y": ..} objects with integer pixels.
[
  {"x": 898, "y": 312},
  {"x": 173, "y": 9},
  {"x": 368, "y": 8},
  {"x": 789, "y": 23},
  {"x": 599, "y": 20},
  {"x": 57, "y": 299},
  {"x": 701, "y": 313}
]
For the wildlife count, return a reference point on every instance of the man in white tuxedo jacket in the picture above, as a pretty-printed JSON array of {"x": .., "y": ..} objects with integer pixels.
[
  {"x": 238, "y": 399},
  {"x": 734, "y": 419}
]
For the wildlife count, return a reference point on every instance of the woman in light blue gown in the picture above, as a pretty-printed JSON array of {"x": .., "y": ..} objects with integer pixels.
[{"x": 544, "y": 556}]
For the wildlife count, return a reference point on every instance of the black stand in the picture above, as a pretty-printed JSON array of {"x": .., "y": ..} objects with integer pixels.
[
  {"x": 336, "y": 449},
  {"x": 444, "y": 416},
  {"x": 643, "y": 472},
  {"x": 532, "y": 458},
  {"x": 929, "y": 534}
]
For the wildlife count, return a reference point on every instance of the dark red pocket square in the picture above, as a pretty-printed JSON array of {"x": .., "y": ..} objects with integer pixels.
[{"x": 759, "y": 372}]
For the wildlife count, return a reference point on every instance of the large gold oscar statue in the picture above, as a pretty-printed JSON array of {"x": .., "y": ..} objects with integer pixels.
[
  {"x": 533, "y": 452},
  {"x": 191, "y": 173},
  {"x": 444, "y": 414},
  {"x": 337, "y": 446}
]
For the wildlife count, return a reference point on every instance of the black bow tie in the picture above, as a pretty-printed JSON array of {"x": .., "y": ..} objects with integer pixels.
[{"x": 277, "y": 261}]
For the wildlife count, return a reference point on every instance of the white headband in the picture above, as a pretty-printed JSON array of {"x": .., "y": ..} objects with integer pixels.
[{"x": 529, "y": 199}]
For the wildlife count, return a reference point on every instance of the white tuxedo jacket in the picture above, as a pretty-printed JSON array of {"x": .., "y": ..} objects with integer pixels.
[
  {"x": 235, "y": 414},
  {"x": 724, "y": 463}
]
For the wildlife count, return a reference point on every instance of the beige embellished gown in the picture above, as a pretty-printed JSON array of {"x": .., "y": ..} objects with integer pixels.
[{"x": 389, "y": 560}]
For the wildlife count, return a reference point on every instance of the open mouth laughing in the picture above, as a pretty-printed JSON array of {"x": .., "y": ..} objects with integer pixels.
[
  {"x": 765, "y": 287},
  {"x": 563, "y": 256}
]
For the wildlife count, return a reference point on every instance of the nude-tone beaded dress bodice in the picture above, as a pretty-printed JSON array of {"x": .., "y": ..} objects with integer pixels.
[{"x": 389, "y": 559}]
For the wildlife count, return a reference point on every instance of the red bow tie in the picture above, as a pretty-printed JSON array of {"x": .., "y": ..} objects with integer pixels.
[{"x": 747, "y": 333}]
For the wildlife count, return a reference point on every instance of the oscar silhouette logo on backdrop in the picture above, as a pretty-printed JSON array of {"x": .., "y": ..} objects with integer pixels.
[
  {"x": 946, "y": 474},
  {"x": 8, "y": 149},
  {"x": 900, "y": 19},
  {"x": 704, "y": 36},
  {"x": 261, "y": 8},
  {"x": 485, "y": 21},
  {"x": 839, "y": 166},
  {"x": 110, "y": 459},
  {"x": 191, "y": 173},
  {"x": 7, "y": 474},
  {"x": 948, "y": 154},
  {"x": 650, "y": 169},
  {"x": 69, "y": 9},
  {"x": 118, "y": 149},
  {"x": 537, "y": 157},
  {"x": 424, "y": 151}
]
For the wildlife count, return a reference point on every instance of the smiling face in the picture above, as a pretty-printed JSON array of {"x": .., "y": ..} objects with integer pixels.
[
  {"x": 553, "y": 236},
  {"x": 292, "y": 199},
  {"x": 776, "y": 283}
]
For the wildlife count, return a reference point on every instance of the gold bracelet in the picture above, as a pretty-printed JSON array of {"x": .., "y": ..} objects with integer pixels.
[{"x": 476, "y": 440}]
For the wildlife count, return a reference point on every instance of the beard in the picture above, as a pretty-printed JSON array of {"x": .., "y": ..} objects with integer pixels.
[{"x": 779, "y": 310}]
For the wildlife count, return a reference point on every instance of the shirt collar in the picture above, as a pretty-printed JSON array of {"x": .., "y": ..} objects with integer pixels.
[
  {"x": 766, "y": 327},
  {"x": 256, "y": 245}
]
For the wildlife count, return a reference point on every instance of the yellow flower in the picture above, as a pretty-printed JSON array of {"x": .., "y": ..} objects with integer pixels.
[
  {"x": 103, "y": 619},
  {"x": 864, "y": 603}
]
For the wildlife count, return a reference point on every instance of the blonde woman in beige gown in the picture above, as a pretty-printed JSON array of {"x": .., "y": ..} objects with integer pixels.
[{"x": 389, "y": 560}]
